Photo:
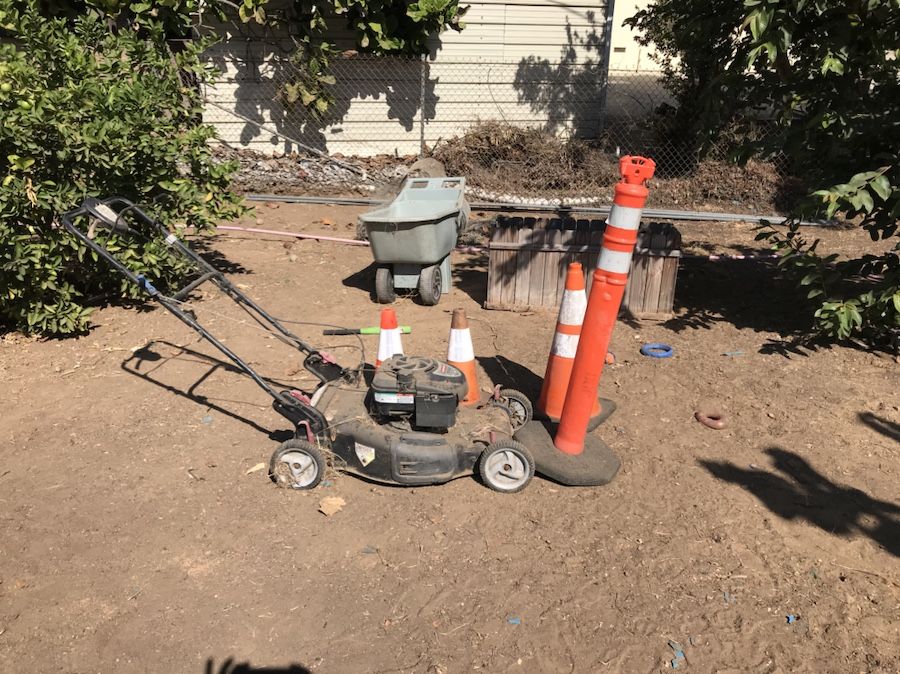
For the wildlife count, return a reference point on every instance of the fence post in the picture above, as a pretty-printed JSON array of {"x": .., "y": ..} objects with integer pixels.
[
  {"x": 607, "y": 55},
  {"x": 422, "y": 78}
]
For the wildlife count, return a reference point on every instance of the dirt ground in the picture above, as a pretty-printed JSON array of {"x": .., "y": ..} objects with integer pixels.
[{"x": 138, "y": 536}]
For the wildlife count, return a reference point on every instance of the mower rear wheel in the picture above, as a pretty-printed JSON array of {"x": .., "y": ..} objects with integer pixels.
[
  {"x": 384, "y": 285},
  {"x": 430, "y": 285},
  {"x": 506, "y": 466},
  {"x": 516, "y": 404},
  {"x": 297, "y": 464}
]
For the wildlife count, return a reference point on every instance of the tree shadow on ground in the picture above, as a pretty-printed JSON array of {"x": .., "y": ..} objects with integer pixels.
[
  {"x": 748, "y": 294},
  {"x": 204, "y": 247},
  {"x": 147, "y": 360},
  {"x": 881, "y": 425},
  {"x": 800, "y": 492},
  {"x": 470, "y": 276},
  {"x": 229, "y": 666}
]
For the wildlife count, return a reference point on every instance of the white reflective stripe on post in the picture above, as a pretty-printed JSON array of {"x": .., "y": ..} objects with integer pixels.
[
  {"x": 460, "y": 349},
  {"x": 564, "y": 346},
  {"x": 614, "y": 261},
  {"x": 574, "y": 304},
  {"x": 625, "y": 217}
]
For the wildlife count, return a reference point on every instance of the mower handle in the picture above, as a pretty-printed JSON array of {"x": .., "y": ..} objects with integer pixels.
[{"x": 105, "y": 210}]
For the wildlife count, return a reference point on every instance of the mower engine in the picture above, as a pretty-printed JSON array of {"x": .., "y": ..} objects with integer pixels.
[{"x": 424, "y": 390}]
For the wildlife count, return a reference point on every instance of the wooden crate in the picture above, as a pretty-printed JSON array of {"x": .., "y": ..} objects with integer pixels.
[{"x": 528, "y": 258}]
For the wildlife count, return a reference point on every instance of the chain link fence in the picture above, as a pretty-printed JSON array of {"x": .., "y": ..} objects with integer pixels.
[{"x": 527, "y": 130}]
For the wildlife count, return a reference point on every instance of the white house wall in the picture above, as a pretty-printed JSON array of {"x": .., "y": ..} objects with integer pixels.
[{"x": 529, "y": 63}]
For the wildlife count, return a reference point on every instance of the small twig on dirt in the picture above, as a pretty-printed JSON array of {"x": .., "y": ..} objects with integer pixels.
[
  {"x": 870, "y": 573},
  {"x": 5, "y": 473},
  {"x": 458, "y": 627},
  {"x": 137, "y": 592},
  {"x": 405, "y": 668},
  {"x": 494, "y": 336}
]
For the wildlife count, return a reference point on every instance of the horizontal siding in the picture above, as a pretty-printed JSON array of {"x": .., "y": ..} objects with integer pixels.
[{"x": 512, "y": 57}]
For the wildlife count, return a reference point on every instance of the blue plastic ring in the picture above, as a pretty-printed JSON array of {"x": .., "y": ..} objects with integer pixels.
[{"x": 657, "y": 350}]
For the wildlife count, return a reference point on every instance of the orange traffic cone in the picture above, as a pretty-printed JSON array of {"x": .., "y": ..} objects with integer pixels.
[
  {"x": 564, "y": 346},
  {"x": 461, "y": 354},
  {"x": 389, "y": 343}
]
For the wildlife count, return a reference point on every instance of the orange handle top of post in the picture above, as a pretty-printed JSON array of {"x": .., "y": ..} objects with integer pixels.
[
  {"x": 632, "y": 190},
  {"x": 636, "y": 170}
]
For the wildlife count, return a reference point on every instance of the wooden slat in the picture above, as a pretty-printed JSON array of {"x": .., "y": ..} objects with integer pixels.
[
  {"x": 651, "y": 297},
  {"x": 550, "y": 294},
  {"x": 495, "y": 268},
  {"x": 509, "y": 266},
  {"x": 523, "y": 268},
  {"x": 538, "y": 263}
]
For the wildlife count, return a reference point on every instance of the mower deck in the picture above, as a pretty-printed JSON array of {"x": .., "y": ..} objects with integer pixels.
[{"x": 392, "y": 452}]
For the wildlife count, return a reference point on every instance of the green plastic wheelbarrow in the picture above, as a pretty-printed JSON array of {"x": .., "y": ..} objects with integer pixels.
[{"x": 413, "y": 236}]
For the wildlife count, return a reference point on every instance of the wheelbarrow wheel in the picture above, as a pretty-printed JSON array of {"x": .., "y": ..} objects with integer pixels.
[
  {"x": 297, "y": 464},
  {"x": 506, "y": 466},
  {"x": 384, "y": 285},
  {"x": 516, "y": 404},
  {"x": 430, "y": 283}
]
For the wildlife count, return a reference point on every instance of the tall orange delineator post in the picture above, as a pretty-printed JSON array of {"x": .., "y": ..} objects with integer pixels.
[{"x": 607, "y": 289}]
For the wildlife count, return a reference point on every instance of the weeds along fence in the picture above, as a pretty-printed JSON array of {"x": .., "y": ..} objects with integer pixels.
[{"x": 530, "y": 127}]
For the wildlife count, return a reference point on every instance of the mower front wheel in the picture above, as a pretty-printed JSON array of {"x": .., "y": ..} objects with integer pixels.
[
  {"x": 506, "y": 466},
  {"x": 516, "y": 404},
  {"x": 297, "y": 464}
]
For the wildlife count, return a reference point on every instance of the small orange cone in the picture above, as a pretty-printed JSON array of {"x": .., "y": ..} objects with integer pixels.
[
  {"x": 461, "y": 355},
  {"x": 565, "y": 344},
  {"x": 389, "y": 343}
]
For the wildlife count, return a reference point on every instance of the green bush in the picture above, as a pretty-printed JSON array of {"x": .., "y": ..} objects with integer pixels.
[
  {"x": 826, "y": 73},
  {"x": 89, "y": 109}
]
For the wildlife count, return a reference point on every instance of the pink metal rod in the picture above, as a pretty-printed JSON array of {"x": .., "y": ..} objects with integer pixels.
[
  {"x": 274, "y": 232},
  {"x": 317, "y": 237}
]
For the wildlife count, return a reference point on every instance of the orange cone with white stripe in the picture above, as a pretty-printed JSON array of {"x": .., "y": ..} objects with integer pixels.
[
  {"x": 389, "y": 343},
  {"x": 461, "y": 355},
  {"x": 564, "y": 346}
]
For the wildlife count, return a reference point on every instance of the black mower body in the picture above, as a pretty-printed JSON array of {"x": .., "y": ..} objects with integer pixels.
[{"x": 406, "y": 428}]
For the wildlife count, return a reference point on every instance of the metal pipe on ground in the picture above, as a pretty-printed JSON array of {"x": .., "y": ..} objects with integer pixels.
[
  {"x": 296, "y": 235},
  {"x": 662, "y": 213}
]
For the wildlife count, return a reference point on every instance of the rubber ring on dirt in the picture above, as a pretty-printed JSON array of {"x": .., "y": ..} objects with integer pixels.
[
  {"x": 713, "y": 419},
  {"x": 657, "y": 350}
]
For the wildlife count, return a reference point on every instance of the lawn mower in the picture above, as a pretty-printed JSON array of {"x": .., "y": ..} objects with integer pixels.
[{"x": 399, "y": 423}]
